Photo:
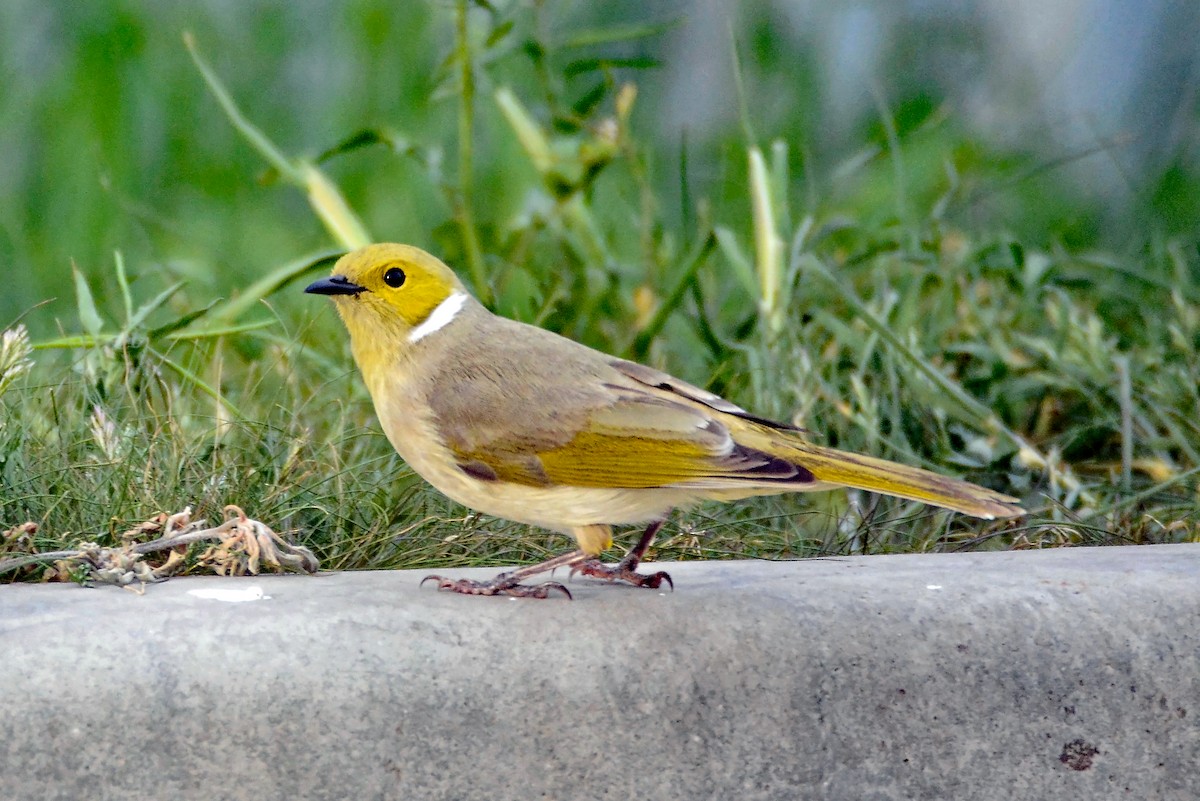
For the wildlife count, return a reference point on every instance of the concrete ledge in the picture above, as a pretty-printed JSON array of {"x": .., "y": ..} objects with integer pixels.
[{"x": 1035, "y": 675}]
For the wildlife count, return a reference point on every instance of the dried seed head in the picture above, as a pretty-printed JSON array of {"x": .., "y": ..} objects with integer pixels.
[
  {"x": 14, "y": 355},
  {"x": 104, "y": 434}
]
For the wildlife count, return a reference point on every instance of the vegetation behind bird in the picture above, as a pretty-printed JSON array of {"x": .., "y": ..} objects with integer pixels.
[{"x": 952, "y": 335}]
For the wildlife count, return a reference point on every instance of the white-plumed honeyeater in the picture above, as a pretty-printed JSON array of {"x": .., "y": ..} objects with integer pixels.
[{"x": 521, "y": 423}]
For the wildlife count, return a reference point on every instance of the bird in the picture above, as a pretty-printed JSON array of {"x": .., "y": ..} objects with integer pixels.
[{"x": 518, "y": 422}]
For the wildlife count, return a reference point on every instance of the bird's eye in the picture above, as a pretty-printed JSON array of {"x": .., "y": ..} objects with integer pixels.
[{"x": 394, "y": 277}]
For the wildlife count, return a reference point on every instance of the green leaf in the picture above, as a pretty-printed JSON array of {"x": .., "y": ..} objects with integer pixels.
[
  {"x": 618, "y": 33},
  {"x": 71, "y": 342},
  {"x": 146, "y": 309},
  {"x": 674, "y": 298},
  {"x": 89, "y": 318},
  {"x": 180, "y": 322},
  {"x": 529, "y": 134},
  {"x": 272, "y": 282},
  {"x": 500, "y": 31},
  {"x": 123, "y": 282},
  {"x": 737, "y": 259},
  {"x": 366, "y": 137},
  {"x": 223, "y": 331},
  {"x": 585, "y": 65},
  {"x": 586, "y": 104}
]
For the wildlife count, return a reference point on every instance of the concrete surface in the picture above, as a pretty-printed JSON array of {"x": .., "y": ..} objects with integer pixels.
[{"x": 1036, "y": 675}]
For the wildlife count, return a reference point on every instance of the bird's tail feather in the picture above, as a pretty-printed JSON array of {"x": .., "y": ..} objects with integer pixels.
[{"x": 831, "y": 466}]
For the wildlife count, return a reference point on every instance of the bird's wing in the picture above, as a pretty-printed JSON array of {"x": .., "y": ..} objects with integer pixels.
[
  {"x": 619, "y": 434},
  {"x": 669, "y": 385},
  {"x": 642, "y": 440}
]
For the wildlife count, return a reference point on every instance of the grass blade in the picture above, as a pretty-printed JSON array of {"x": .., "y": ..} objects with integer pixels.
[
  {"x": 89, "y": 318},
  {"x": 271, "y": 283}
]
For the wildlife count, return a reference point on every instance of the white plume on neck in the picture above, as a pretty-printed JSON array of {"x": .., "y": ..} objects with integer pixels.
[{"x": 441, "y": 316}]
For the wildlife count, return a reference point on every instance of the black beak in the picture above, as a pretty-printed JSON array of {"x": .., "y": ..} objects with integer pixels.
[{"x": 334, "y": 285}]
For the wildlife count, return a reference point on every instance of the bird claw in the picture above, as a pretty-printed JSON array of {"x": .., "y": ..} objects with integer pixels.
[
  {"x": 501, "y": 585},
  {"x": 537, "y": 590},
  {"x": 623, "y": 572}
]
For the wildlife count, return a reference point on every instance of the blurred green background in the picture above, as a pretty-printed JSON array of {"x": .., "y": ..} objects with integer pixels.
[{"x": 111, "y": 141}]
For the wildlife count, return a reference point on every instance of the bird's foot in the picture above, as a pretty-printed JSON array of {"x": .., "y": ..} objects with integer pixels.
[
  {"x": 626, "y": 571},
  {"x": 503, "y": 584}
]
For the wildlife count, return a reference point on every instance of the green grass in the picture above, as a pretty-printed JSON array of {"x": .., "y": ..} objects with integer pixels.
[{"x": 877, "y": 311}]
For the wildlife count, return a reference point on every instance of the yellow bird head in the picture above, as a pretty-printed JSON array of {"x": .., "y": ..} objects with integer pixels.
[{"x": 392, "y": 292}]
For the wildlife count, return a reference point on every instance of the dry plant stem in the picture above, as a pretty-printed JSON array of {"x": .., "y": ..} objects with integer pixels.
[
  {"x": 18, "y": 562},
  {"x": 292, "y": 556},
  {"x": 191, "y": 534}
]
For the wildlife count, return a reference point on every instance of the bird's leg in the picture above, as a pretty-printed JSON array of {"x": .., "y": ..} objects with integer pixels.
[
  {"x": 510, "y": 583},
  {"x": 626, "y": 569}
]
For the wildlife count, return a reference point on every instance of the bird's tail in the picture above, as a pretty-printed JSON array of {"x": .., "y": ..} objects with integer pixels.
[{"x": 833, "y": 467}]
